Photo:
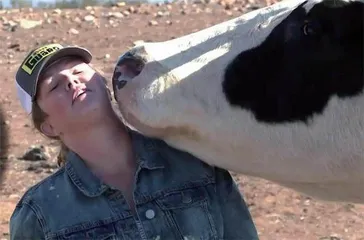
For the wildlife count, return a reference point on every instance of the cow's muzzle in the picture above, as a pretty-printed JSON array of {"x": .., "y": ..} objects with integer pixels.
[{"x": 128, "y": 67}]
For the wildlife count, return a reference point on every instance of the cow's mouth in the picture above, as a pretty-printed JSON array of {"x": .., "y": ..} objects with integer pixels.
[{"x": 128, "y": 67}]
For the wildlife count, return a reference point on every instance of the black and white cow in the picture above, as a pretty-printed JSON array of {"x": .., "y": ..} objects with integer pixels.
[{"x": 276, "y": 93}]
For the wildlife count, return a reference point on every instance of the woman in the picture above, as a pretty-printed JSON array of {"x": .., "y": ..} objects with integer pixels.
[{"x": 115, "y": 183}]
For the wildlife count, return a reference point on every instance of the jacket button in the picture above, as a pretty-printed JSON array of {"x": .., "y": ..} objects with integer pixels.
[{"x": 150, "y": 214}]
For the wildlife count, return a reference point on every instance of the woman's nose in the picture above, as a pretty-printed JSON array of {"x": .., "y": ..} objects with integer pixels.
[{"x": 72, "y": 83}]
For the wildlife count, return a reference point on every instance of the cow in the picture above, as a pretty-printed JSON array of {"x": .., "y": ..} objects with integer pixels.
[{"x": 276, "y": 93}]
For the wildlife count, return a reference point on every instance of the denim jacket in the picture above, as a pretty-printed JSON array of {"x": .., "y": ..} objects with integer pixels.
[{"x": 177, "y": 196}]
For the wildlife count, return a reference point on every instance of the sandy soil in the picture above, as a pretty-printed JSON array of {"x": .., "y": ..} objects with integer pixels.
[{"x": 279, "y": 213}]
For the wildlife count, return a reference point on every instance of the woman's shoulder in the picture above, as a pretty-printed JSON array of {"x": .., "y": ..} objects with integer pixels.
[
  {"x": 44, "y": 185},
  {"x": 37, "y": 194},
  {"x": 26, "y": 219}
]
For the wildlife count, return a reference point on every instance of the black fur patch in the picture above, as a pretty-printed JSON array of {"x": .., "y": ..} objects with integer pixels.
[{"x": 292, "y": 75}]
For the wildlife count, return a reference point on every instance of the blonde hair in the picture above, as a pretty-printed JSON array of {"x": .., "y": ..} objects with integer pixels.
[{"x": 38, "y": 116}]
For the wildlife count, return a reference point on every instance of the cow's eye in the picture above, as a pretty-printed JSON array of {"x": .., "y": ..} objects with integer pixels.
[{"x": 310, "y": 28}]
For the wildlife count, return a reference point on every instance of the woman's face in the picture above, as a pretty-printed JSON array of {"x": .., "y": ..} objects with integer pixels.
[{"x": 72, "y": 94}]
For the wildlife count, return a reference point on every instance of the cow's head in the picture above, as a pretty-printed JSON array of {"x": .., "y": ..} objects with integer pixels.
[
  {"x": 257, "y": 93},
  {"x": 314, "y": 53}
]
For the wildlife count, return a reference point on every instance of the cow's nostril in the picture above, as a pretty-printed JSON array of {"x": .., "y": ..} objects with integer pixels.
[{"x": 128, "y": 67}]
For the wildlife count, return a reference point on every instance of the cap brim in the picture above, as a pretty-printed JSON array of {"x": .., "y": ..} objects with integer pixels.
[{"x": 80, "y": 52}]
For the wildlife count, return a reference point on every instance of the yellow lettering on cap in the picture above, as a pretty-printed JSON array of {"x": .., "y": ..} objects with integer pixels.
[{"x": 38, "y": 55}]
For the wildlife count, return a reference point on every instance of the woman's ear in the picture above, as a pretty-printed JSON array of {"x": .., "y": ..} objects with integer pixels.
[{"x": 47, "y": 129}]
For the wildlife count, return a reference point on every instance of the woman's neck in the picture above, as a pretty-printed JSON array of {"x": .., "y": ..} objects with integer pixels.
[{"x": 106, "y": 149}]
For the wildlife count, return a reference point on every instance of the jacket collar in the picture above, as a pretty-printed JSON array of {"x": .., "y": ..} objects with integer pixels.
[{"x": 146, "y": 150}]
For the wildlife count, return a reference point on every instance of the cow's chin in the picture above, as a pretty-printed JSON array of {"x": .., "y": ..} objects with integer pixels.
[{"x": 151, "y": 127}]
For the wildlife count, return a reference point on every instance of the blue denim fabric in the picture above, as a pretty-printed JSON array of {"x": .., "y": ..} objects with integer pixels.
[{"x": 177, "y": 197}]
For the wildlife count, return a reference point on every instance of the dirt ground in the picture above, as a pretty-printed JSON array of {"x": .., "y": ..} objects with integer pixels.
[{"x": 279, "y": 213}]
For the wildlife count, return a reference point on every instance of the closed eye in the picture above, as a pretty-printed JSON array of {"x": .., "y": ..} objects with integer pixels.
[
  {"x": 77, "y": 71},
  {"x": 311, "y": 28},
  {"x": 55, "y": 86}
]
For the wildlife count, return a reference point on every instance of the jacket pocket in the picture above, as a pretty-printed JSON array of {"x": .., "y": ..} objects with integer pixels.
[
  {"x": 100, "y": 232},
  {"x": 187, "y": 212}
]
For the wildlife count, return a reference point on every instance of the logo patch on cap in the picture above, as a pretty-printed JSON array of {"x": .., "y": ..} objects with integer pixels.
[{"x": 38, "y": 55}]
